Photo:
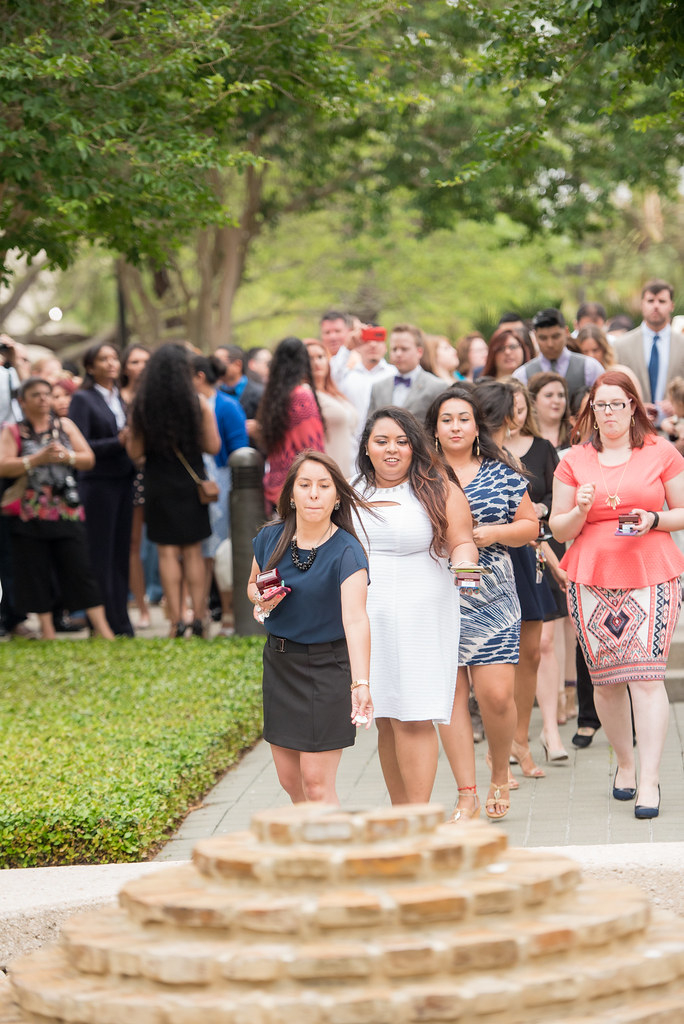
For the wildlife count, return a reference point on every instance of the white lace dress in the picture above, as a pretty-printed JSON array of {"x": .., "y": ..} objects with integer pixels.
[{"x": 413, "y": 609}]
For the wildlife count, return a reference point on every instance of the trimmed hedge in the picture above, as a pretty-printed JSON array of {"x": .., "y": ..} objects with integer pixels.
[{"x": 105, "y": 746}]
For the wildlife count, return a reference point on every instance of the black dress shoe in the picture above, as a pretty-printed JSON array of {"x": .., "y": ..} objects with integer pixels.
[
  {"x": 641, "y": 811},
  {"x": 625, "y": 793},
  {"x": 581, "y": 741}
]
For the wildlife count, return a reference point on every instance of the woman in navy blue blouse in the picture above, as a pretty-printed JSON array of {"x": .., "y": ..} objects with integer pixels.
[{"x": 317, "y": 654}]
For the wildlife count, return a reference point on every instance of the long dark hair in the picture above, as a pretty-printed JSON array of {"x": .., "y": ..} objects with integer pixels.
[
  {"x": 89, "y": 357},
  {"x": 342, "y": 517},
  {"x": 469, "y": 393},
  {"x": 640, "y": 426},
  {"x": 427, "y": 476},
  {"x": 290, "y": 367},
  {"x": 166, "y": 410}
]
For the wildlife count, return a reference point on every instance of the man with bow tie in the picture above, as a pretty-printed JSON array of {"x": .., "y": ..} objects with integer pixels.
[{"x": 411, "y": 387}]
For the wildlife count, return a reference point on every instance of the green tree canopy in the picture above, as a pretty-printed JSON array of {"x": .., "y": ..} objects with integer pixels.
[
  {"x": 117, "y": 116},
  {"x": 143, "y": 125}
]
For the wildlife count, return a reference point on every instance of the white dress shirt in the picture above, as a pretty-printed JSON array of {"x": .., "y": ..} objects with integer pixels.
[
  {"x": 401, "y": 391},
  {"x": 113, "y": 400},
  {"x": 663, "y": 346},
  {"x": 356, "y": 383}
]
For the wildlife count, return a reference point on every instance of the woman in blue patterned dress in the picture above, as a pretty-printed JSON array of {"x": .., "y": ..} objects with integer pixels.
[{"x": 490, "y": 618}]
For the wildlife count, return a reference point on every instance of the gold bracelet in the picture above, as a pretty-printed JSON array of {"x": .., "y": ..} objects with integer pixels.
[{"x": 359, "y": 682}]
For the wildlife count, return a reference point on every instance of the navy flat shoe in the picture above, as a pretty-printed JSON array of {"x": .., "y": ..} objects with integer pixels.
[
  {"x": 641, "y": 811},
  {"x": 627, "y": 793}
]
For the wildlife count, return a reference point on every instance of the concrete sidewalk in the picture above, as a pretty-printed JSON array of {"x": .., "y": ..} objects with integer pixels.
[{"x": 572, "y": 806}]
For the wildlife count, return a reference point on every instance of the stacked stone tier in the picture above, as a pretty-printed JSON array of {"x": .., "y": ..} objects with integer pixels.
[{"x": 318, "y": 916}]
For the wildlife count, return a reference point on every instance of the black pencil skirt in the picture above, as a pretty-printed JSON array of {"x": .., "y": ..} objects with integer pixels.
[{"x": 307, "y": 696}]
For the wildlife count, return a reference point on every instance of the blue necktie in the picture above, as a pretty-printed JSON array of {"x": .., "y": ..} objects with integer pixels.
[
  {"x": 406, "y": 381},
  {"x": 653, "y": 367}
]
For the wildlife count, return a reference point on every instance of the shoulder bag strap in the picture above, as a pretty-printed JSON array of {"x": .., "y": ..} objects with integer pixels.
[{"x": 187, "y": 466}]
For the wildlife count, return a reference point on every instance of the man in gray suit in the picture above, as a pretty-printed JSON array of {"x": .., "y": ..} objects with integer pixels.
[
  {"x": 654, "y": 351},
  {"x": 411, "y": 387}
]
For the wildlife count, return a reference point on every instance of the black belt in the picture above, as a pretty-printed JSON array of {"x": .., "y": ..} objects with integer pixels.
[{"x": 283, "y": 646}]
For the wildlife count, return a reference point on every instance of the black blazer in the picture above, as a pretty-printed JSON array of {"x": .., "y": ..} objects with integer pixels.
[{"x": 97, "y": 423}]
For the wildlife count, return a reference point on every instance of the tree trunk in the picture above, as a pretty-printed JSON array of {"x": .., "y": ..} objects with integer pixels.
[{"x": 232, "y": 250}]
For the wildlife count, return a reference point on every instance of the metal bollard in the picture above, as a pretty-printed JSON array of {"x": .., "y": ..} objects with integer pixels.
[{"x": 246, "y": 517}]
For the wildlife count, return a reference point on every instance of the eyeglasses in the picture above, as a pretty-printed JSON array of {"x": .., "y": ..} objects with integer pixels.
[{"x": 608, "y": 406}]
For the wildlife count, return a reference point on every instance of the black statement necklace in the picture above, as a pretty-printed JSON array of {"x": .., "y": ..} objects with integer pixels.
[{"x": 296, "y": 560}]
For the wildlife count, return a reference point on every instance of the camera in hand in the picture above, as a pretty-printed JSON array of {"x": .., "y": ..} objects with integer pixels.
[
  {"x": 67, "y": 489},
  {"x": 61, "y": 481}
]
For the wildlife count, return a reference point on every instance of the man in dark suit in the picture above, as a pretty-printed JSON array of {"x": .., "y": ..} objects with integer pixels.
[
  {"x": 654, "y": 351},
  {"x": 411, "y": 387}
]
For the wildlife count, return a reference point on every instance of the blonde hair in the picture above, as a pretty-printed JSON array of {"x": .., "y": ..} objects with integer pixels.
[{"x": 675, "y": 390}]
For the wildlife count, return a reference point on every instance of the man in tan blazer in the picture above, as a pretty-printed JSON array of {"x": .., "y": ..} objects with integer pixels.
[
  {"x": 654, "y": 352},
  {"x": 411, "y": 387}
]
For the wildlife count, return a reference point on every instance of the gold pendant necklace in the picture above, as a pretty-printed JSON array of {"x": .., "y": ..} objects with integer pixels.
[{"x": 613, "y": 500}]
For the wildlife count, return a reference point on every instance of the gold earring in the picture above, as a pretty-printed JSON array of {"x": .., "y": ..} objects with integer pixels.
[
  {"x": 292, "y": 504},
  {"x": 595, "y": 425},
  {"x": 366, "y": 451},
  {"x": 436, "y": 444},
  {"x": 477, "y": 446},
  {"x": 632, "y": 421}
]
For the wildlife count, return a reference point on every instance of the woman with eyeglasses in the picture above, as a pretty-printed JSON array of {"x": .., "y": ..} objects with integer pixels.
[
  {"x": 508, "y": 350},
  {"x": 623, "y": 592}
]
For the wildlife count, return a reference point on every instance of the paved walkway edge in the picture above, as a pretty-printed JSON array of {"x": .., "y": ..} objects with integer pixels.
[{"x": 34, "y": 902}]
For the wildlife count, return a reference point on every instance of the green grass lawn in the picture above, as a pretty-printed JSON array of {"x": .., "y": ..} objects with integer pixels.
[{"x": 106, "y": 745}]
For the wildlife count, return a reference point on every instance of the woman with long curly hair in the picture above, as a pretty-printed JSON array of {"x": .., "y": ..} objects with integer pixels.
[
  {"x": 289, "y": 415},
  {"x": 466, "y": 423},
  {"x": 171, "y": 426},
  {"x": 421, "y": 519}
]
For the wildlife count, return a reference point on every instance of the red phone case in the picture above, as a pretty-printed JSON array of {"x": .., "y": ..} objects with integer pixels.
[{"x": 373, "y": 334}]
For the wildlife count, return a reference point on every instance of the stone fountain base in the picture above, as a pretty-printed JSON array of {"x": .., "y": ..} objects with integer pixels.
[{"x": 320, "y": 916}]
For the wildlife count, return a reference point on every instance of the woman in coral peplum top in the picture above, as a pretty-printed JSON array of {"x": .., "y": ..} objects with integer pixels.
[{"x": 624, "y": 591}]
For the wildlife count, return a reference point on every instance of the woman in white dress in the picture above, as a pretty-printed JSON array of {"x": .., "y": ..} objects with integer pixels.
[
  {"x": 421, "y": 519},
  {"x": 339, "y": 415}
]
